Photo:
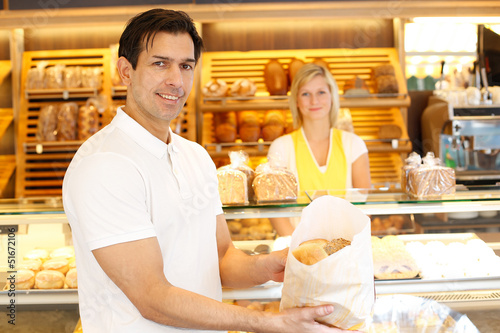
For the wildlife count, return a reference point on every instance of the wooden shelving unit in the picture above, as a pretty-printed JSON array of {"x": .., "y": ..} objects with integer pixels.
[
  {"x": 368, "y": 112},
  {"x": 41, "y": 165}
]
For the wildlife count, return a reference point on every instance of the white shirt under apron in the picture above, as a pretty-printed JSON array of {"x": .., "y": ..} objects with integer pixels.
[{"x": 124, "y": 184}]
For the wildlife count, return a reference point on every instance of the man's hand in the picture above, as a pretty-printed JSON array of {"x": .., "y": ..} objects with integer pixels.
[
  {"x": 302, "y": 320},
  {"x": 275, "y": 264}
]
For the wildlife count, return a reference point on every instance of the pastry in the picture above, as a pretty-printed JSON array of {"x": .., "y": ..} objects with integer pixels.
[
  {"x": 66, "y": 252},
  {"x": 49, "y": 279},
  {"x": 31, "y": 264},
  {"x": 243, "y": 88},
  {"x": 24, "y": 279},
  {"x": 41, "y": 254},
  {"x": 391, "y": 260},
  {"x": 232, "y": 186},
  {"x": 56, "y": 264},
  {"x": 275, "y": 78},
  {"x": 215, "y": 88},
  {"x": 71, "y": 279},
  {"x": 225, "y": 133}
]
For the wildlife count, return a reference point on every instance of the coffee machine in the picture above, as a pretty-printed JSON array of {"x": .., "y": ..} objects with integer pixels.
[{"x": 473, "y": 147}]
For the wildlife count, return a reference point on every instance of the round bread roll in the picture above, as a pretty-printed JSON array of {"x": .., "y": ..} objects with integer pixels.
[
  {"x": 225, "y": 133},
  {"x": 56, "y": 264},
  {"x": 41, "y": 254},
  {"x": 272, "y": 132},
  {"x": 310, "y": 252},
  {"x": 49, "y": 279},
  {"x": 71, "y": 279},
  {"x": 24, "y": 279},
  {"x": 66, "y": 252},
  {"x": 249, "y": 133},
  {"x": 31, "y": 264},
  {"x": 234, "y": 226},
  {"x": 72, "y": 263}
]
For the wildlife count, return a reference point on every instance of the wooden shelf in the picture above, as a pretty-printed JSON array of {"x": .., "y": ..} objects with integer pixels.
[
  {"x": 5, "y": 69},
  {"x": 7, "y": 167},
  {"x": 6, "y": 118},
  {"x": 63, "y": 94}
]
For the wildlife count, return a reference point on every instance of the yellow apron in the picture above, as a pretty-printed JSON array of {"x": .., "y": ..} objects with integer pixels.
[{"x": 310, "y": 177}]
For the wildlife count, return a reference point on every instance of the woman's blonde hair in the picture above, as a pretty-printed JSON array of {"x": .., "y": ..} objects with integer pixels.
[{"x": 305, "y": 74}]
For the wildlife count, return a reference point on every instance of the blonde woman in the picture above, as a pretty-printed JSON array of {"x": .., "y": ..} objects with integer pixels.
[{"x": 321, "y": 156}]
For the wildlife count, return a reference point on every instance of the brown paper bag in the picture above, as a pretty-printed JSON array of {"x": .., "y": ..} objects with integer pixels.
[{"x": 344, "y": 279}]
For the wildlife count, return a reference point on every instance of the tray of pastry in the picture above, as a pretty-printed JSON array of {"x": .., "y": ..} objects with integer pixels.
[
  {"x": 452, "y": 256},
  {"x": 394, "y": 224}
]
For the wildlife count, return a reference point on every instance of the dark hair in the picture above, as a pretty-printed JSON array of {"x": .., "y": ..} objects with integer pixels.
[{"x": 142, "y": 28}]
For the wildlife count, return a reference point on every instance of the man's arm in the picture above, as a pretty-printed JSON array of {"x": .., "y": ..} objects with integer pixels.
[{"x": 130, "y": 264}]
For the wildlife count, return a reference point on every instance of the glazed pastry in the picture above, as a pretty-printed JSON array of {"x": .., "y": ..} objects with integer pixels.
[
  {"x": 71, "y": 279},
  {"x": 66, "y": 252},
  {"x": 49, "y": 279},
  {"x": 31, "y": 264},
  {"x": 24, "y": 279},
  {"x": 56, "y": 264},
  {"x": 41, "y": 254}
]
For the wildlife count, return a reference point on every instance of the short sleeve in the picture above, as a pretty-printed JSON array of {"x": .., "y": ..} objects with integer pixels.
[{"x": 106, "y": 195}]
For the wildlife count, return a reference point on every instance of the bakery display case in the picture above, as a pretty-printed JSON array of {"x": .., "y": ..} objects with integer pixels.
[{"x": 41, "y": 223}]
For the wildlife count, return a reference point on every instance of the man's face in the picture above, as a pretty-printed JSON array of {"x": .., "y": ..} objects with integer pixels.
[{"x": 162, "y": 80}]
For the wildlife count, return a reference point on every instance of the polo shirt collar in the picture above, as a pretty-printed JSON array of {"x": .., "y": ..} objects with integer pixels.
[{"x": 142, "y": 136}]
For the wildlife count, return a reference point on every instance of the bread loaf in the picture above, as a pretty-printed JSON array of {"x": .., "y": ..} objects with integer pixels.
[
  {"x": 386, "y": 69},
  {"x": 47, "y": 123},
  {"x": 67, "y": 120},
  {"x": 275, "y": 78},
  {"x": 275, "y": 185},
  {"x": 386, "y": 84},
  {"x": 389, "y": 131},
  {"x": 425, "y": 182},
  {"x": 232, "y": 186},
  {"x": 88, "y": 121},
  {"x": 293, "y": 67}
]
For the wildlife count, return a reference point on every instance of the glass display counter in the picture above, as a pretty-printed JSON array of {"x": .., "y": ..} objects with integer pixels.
[{"x": 45, "y": 216}]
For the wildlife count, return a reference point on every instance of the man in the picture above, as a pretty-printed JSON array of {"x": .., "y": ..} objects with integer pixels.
[{"x": 151, "y": 241}]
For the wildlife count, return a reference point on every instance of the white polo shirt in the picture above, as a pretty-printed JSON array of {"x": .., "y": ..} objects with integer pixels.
[{"x": 124, "y": 184}]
